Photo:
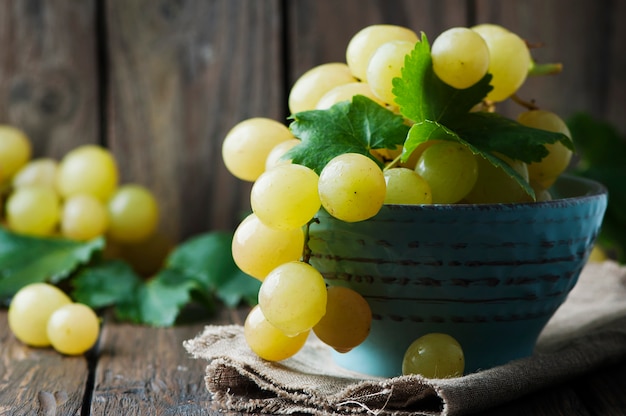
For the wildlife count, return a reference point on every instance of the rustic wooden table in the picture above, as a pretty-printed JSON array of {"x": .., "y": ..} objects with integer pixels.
[{"x": 138, "y": 370}]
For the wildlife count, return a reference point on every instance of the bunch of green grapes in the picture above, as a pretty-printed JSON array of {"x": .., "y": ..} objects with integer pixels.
[
  {"x": 41, "y": 315},
  {"x": 269, "y": 243},
  {"x": 78, "y": 197},
  {"x": 285, "y": 197}
]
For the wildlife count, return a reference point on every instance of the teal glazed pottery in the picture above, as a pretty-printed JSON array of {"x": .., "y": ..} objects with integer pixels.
[{"x": 490, "y": 275}]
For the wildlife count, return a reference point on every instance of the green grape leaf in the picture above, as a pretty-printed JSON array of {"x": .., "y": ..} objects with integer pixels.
[
  {"x": 423, "y": 131},
  {"x": 104, "y": 284},
  {"x": 491, "y": 132},
  {"x": 159, "y": 301},
  {"x": 208, "y": 259},
  {"x": 432, "y": 130},
  {"x": 25, "y": 259},
  {"x": 347, "y": 127},
  {"x": 421, "y": 95}
]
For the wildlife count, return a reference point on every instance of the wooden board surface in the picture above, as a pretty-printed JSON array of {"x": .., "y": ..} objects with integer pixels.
[
  {"x": 137, "y": 370},
  {"x": 34, "y": 379},
  {"x": 162, "y": 82}
]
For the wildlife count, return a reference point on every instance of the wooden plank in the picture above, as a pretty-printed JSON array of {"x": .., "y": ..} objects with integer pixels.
[
  {"x": 142, "y": 370},
  {"x": 182, "y": 74},
  {"x": 49, "y": 74},
  {"x": 38, "y": 380},
  {"x": 319, "y": 30},
  {"x": 586, "y": 37}
]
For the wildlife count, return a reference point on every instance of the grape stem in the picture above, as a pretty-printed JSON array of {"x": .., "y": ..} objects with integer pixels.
[
  {"x": 306, "y": 251},
  {"x": 545, "y": 69},
  {"x": 393, "y": 162},
  {"x": 530, "y": 105}
]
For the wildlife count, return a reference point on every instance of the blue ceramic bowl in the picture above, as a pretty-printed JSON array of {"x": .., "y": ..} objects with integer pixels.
[{"x": 490, "y": 275}]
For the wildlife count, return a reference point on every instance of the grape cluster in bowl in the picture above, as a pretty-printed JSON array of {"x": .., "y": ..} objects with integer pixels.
[{"x": 366, "y": 188}]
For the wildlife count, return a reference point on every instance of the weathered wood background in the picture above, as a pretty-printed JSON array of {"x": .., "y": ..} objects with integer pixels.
[{"x": 160, "y": 82}]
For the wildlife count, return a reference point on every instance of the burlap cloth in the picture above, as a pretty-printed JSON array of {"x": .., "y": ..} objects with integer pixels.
[{"x": 587, "y": 332}]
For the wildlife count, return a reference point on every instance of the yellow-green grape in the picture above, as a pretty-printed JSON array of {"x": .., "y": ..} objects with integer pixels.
[
  {"x": 386, "y": 64},
  {"x": 490, "y": 29},
  {"x": 258, "y": 249},
  {"x": 460, "y": 57},
  {"x": 37, "y": 172},
  {"x": 30, "y": 310},
  {"x": 362, "y": 45},
  {"x": 541, "y": 194},
  {"x": 73, "y": 329},
  {"x": 434, "y": 355},
  {"x": 545, "y": 172},
  {"x": 450, "y": 169},
  {"x": 597, "y": 255},
  {"x": 268, "y": 342},
  {"x": 509, "y": 61},
  {"x": 133, "y": 214},
  {"x": 83, "y": 217},
  {"x": 345, "y": 92},
  {"x": 347, "y": 321},
  {"x": 88, "y": 169},
  {"x": 494, "y": 185},
  {"x": 352, "y": 187},
  {"x": 247, "y": 145},
  {"x": 286, "y": 197},
  {"x": 405, "y": 186},
  {"x": 293, "y": 297},
  {"x": 275, "y": 157},
  {"x": 33, "y": 210},
  {"x": 314, "y": 83},
  {"x": 15, "y": 150}
]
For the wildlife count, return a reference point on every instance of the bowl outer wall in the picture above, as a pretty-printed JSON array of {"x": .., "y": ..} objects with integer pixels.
[{"x": 490, "y": 275}]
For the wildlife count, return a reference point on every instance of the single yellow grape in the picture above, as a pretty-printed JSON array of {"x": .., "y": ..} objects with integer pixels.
[
  {"x": 133, "y": 214},
  {"x": 39, "y": 172},
  {"x": 509, "y": 61},
  {"x": 494, "y": 185},
  {"x": 597, "y": 255},
  {"x": 286, "y": 197},
  {"x": 73, "y": 329},
  {"x": 352, "y": 187},
  {"x": 545, "y": 172},
  {"x": 30, "y": 309},
  {"x": 88, "y": 169},
  {"x": 347, "y": 321},
  {"x": 405, "y": 186},
  {"x": 33, "y": 210},
  {"x": 247, "y": 145},
  {"x": 267, "y": 341},
  {"x": 15, "y": 150},
  {"x": 275, "y": 157},
  {"x": 314, "y": 83},
  {"x": 293, "y": 297},
  {"x": 450, "y": 169},
  {"x": 362, "y": 45},
  {"x": 345, "y": 92},
  {"x": 541, "y": 194},
  {"x": 258, "y": 249},
  {"x": 460, "y": 57},
  {"x": 386, "y": 64},
  {"x": 84, "y": 217},
  {"x": 434, "y": 355}
]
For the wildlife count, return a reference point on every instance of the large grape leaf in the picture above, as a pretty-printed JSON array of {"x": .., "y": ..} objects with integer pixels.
[{"x": 25, "y": 259}]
